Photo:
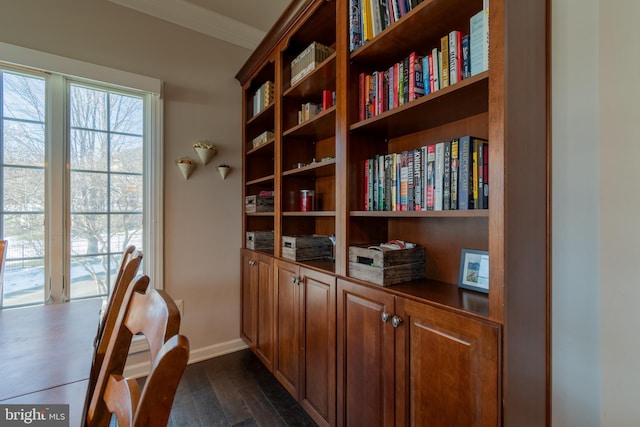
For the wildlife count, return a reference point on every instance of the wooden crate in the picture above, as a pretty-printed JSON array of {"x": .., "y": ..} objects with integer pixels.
[
  {"x": 386, "y": 267},
  {"x": 254, "y": 204},
  {"x": 260, "y": 240},
  {"x": 306, "y": 247}
]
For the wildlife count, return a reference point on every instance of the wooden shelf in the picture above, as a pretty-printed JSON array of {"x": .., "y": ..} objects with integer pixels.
[
  {"x": 461, "y": 100},
  {"x": 323, "y": 77},
  {"x": 310, "y": 214},
  {"x": 263, "y": 149},
  {"x": 319, "y": 127},
  {"x": 261, "y": 180},
  {"x": 477, "y": 213},
  {"x": 432, "y": 19},
  {"x": 317, "y": 169}
]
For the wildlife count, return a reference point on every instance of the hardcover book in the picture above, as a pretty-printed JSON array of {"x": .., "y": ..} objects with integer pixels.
[
  {"x": 446, "y": 177},
  {"x": 439, "y": 177},
  {"x": 455, "y": 169}
]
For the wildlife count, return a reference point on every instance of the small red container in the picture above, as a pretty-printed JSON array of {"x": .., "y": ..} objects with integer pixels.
[{"x": 306, "y": 200}]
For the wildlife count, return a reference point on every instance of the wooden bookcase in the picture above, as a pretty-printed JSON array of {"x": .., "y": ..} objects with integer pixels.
[{"x": 508, "y": 105}]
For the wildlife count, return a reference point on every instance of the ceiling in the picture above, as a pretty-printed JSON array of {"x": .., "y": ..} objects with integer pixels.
[{"x": 240, "y": 22}]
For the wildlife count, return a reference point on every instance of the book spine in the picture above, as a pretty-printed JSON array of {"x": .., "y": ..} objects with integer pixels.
[
  {"x": 396, "y": 84},
  {"x": 365, "y": 180},
  {"x": 367, "y": 25},
  {"x": 404, "y": 181},
  {"x": 480, "y": 204},
  {"x": 405, "y": 77},
  {"x": 381, "y": 181},
  {"x": 453, "y": 57},
  {"x": 485, "y": 174},
  {"x": 425, "y": 75},
  {"x": 466, "y": 61},
  {"x": 435, "y": 53},
  {"x": 446, "y": 177},
  {"x": 475, "y": 175},
  {"x": 444, "y": 48},
  {"x": 431, "y": 177},
  {"x": 371, "y": 183},
  {"x": 417, "y": 184},
  {"x": 388, "y": 164},
  {"x": 438, "y": 192},
  {"x": 431, "y": 76},
  {"x": 464, "y": 190},
  {"x": 401, "y": 83},
  {"x": 394, "y": 181},
  {"x": 375, "y": 17},
  {"x": 410, "y": 183},
  {"x": 355, "y": 25},
  {"x": 455, "y": 169}
]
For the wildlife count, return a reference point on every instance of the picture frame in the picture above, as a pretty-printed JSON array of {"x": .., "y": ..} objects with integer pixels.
[{"x": 474, "y": 270}]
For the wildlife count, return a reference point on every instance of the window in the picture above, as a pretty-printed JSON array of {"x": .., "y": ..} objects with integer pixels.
[{"x": 80, "y": 169}]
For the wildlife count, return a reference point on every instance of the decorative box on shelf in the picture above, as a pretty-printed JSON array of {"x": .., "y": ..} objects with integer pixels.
[
  {"x": 308, "y": 59},
  {"x": 260, "y": 240},
  {"x": 307, "y": 247},
  {"x": 384, "y": 266},
  {"x": 263, "y": 138},
  {"x": 253, "y": 204}
]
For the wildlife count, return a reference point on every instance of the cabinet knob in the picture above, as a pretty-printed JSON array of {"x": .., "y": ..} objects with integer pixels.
[
  {"x": 294, "y": 280},
  {"x": 386, "y": 316},
  {"x": 252, "y": 263},
  {"x": 396, "y": 321}
]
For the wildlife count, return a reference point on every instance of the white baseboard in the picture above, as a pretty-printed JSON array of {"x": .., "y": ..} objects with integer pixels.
[{"x": 142, "y": 369}]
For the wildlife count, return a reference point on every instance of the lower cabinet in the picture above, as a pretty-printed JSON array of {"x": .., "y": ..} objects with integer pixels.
[
  {"x": 305, "y": 359},
  {"x": 257, "y": 296},
  {"x": 403, "y": 362}
]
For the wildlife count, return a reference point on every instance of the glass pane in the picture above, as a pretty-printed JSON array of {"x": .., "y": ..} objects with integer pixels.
[
  {"x": 88, "y": 108},
  {"x": 126, "y": 230},
  {"x": 23, "y": 281},
  {"x": 23, "y": 190},
  {"x": 24, "y": 97},
  {"x": 126, "y": 193},
  {"x": 126, "y": 114},
  {"x": 126, "y": 153},
  {"x": 23, "y": 143},
  {"x": 88, "y": 192},
  {"x": 90, "y": 275},
  {"x": 89, "y": 234},
  {"x": 88, "y": 150}
]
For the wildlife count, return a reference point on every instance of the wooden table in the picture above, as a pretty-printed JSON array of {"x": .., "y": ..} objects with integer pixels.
[{"x": 45, "y": 354}]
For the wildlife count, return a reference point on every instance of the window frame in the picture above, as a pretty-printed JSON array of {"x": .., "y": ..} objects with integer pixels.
[{"x": 61, "y": 72}]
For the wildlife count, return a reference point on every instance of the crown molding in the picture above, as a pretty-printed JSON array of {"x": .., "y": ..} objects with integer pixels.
[{"x": 194, "y": 17}]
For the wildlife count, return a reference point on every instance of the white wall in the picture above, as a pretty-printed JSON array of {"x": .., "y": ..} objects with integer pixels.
[
  {"x": 596, "y": 182},
  {"x": 575, "y": 244},
  {"x": 619, "y": 84}
]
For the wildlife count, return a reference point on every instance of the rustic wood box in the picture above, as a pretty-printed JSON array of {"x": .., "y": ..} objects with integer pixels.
[
  {"x": 260, "y": 240},
  {"x": 254, "y": 204},
  {"x": 386, "y": 266},
  {"x": 306, "y": 247}
]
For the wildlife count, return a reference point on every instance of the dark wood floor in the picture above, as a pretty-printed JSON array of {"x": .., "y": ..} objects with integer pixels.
[{"x": 234, "y": 390}]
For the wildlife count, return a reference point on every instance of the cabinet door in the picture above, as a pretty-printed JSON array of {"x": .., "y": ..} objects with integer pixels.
[
  {"x": 288, "y": 345},
  {"x": 318, "y": 311},
  {"x": 248, "y": 295},
  {"x": 265, "y": 306},
  {"x": 447, "y": 368},
  {"x": 365, "y": 356}
]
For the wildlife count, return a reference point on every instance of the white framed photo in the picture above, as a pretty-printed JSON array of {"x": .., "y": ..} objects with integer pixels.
[{"x": 474, "y": 270}]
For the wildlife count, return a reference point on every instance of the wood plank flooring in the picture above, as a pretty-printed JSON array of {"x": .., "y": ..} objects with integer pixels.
[{"x": 234, "y": 390}]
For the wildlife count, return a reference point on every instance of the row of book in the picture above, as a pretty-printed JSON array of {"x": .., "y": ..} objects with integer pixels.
[
  {"x": 309, "y": 110},
  {"x": 263, "y": 97},
  {"x": 368, "y": 18},
  {"x": 457, "y": 58},
  {"x": 449, "y": 175}
]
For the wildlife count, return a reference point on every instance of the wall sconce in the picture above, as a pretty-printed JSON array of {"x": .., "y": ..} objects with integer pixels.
[
  {"x": 205, "y": 151},
  {"x": 224, "y": 170},
  {"x": 186, "y": 166}
]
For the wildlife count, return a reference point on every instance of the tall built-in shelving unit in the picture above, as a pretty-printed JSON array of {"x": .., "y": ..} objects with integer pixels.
[{"x": 506, "y": 105}]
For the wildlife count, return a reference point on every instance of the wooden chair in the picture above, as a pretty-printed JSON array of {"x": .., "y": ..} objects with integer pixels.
[
  {"x": 152, "y": 407},
  {"x": 3, "y": 255},
  {"x": 155, "y": 315},
  {"x": 123, "y": 288}
]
